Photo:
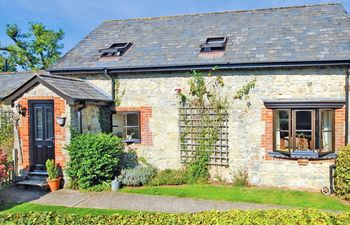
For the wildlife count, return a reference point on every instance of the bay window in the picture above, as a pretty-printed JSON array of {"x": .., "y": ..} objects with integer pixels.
[{"x": 304, "y": 131}]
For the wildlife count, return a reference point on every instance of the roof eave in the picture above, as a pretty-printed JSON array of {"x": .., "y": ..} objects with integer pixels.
[{"x": 253, "y": 65}]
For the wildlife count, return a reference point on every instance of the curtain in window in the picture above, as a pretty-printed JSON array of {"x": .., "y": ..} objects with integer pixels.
[
  {"x": 327, "y": 126},
  {"x": 278, "y": 133}
]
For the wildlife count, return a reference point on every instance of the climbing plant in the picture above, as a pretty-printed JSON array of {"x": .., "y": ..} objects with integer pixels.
[
  {"x": 104, "y": 118},
  {"x": 118, "y": 93},
  {"x": 211, "y": 104},
  {"x": 6, "y": 133}
]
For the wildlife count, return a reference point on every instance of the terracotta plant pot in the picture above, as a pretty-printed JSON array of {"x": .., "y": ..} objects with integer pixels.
[{"x": 54, "y": 184}]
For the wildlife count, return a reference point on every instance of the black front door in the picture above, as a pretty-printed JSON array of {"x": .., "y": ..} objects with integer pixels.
[{"x": 42, "y": 133}]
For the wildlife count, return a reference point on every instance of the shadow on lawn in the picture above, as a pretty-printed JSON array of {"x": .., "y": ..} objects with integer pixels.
[{"x": 12, "y": 196}]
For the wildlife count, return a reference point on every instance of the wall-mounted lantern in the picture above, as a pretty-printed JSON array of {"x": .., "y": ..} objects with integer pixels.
[
  {"x": 21, "y": 110},
  {"x": 61, "y": 120}
]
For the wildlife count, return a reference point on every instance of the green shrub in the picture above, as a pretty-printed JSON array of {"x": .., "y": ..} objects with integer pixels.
[
  {"x": 52, "y": 169},
  {"x": 273, "y": 217},
  {"x": 129, "y": 159},
  {"x": 342, "y": 173},
  {"x": 169, "y": 177},
  {"x": 140, "y": 175},
  {"x": 240, "y": 179},
  {"x": 94, "y": 159},
  {"x": 105, "y": 186},
  {"x": 198, "y": 170},
  {"x": 6, "y": 137}
]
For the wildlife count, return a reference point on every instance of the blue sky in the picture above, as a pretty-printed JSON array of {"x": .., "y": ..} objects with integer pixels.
[{"x": 79, "y": 17}]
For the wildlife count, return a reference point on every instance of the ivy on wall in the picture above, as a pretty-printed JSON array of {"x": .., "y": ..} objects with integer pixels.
[
  {"x": 118, "y": 93},
  {"x": 104, "y": 118}
]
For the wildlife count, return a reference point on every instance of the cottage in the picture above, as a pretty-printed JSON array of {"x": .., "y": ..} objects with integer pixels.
[{"x": 299, "y": 58}]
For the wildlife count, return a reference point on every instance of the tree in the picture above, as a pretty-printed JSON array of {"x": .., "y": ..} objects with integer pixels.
[
  {"x": 11, "y": 67},
  {"x": 35, "y": 50}
]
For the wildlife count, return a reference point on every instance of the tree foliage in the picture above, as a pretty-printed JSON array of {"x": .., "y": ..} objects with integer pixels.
[
  {"x": 36, "y": 49},
  {"x": 11, "y": 66}
]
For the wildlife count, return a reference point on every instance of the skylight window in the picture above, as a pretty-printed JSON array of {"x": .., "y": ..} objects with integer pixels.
[
  {"x": 214, "y": 44},
  {"x": 116, "y": 49}
]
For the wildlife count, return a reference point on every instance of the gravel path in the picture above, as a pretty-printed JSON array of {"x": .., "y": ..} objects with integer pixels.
[{"x": 116, "y": 200}]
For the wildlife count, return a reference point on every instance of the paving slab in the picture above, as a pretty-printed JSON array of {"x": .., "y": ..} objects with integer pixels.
[
  {"x": 19, "y": 195},
  {"x": 115, "y": 200},
  {"x": 63, "y": 197}
]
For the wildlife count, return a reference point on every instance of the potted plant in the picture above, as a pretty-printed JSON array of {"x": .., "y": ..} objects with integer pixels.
[{"x": 53, "y": 179}]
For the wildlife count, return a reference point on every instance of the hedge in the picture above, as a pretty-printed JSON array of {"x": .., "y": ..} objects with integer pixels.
[
  {"x": 277, "y": 216},
  {"x": 94, "y": 159},
  {"x": 342, "y": 173}
]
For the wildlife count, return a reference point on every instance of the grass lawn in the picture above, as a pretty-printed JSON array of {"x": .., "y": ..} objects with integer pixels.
[
  {"x": 30, "y": 207},
  {"x": 247, "y": 194}
]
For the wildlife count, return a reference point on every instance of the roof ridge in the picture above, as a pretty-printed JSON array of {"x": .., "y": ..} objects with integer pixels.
[
  {"x": 18, "y": 72},
  {"x": 229, "y": 11},
  {"x": 60, "y": 77}
]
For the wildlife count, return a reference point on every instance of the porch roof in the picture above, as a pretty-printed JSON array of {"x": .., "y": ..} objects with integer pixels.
[{"x": 71, "y": 89}]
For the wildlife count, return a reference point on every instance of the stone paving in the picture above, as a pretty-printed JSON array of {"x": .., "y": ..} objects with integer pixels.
[{"x": 124, "y": 201}]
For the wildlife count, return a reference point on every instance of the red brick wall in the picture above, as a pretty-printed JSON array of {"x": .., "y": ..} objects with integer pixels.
[
  {"x": 60, "y": 132},
  {"x": 145, "y": 116},
  {"x": 339, "y": 127},
  {"x": 267, "y": 137}
]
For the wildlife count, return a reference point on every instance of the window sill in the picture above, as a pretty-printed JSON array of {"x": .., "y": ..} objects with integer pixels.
[
  {"x": 303, "y": 155},
  {"x": 130, "y": 141}
]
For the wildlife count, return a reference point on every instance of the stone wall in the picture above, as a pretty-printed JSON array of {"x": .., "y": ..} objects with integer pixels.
[
  {"x": 246, "y": 127},
  {"x": 90, "y": 119}
]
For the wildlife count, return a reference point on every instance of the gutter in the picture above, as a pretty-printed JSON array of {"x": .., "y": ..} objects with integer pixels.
[
  {"x": 105, "y": 70},
  {"x": 347, "y": 104},
  {"x": 113, "y": 96},
  {"x": 228, "y": 65},
  {"x": 80, "y": 116}
]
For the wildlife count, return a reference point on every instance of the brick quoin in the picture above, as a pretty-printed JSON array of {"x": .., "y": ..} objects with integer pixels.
[
  {"x": 267, "y": 137},
  {"x": 145, "y": 116},
  {"x": 60, "y": 132}
]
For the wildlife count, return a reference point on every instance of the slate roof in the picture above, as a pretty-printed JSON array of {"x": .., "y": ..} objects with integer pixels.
[
  {"x": 289, "y": 34},
  {"x": 69, "y": 88},
  {"x": 76, "y": 89},
  {"x": 10, "y": 81}
]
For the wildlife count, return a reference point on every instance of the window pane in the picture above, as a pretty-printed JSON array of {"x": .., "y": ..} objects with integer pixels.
[
  {"x": 303, "y": 140},
  {"x": 303, "y": 120},
  {"x": 327, "y": 141},
  {"x": 283, "y": 120},
  {"x": 49, "y": 122},
  {"x": 38, "y": 123},
  {"x": 282, "y": 141},
  {"x": 117, "y": 122},
  {"x": 132, "y": 133},
  {"x": 132, "y": 120},
  {"x": 327, "y": 120},
  {"x": 327, "y": 130}
]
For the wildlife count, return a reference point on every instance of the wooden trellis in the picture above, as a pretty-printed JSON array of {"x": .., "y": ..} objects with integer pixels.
[
  {"x": 190, "y": 125},
  {"x": 5, "y": 117}
]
